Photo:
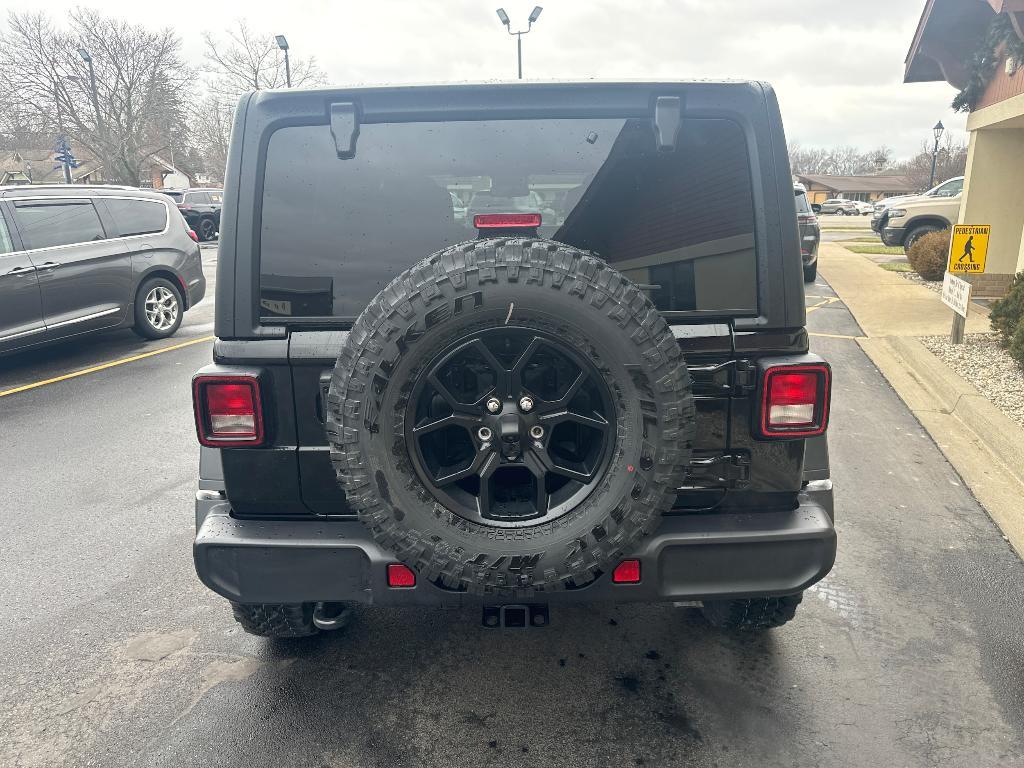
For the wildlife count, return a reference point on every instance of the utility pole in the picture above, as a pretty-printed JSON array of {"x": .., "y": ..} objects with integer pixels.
[{"x": 534, "y": 15}]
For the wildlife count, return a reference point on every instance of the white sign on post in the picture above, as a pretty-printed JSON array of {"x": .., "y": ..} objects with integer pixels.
[{"x": 956, "y": 293}]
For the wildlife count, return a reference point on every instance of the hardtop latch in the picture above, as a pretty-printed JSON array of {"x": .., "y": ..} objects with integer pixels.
[{"x": 345, "y": 128}]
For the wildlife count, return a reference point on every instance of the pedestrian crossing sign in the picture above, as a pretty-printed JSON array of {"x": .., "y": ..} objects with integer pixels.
[{"x": 968, "y": 248}]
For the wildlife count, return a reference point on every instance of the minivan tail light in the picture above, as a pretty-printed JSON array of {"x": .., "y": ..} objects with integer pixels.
[
  {"x": 795, "y": 400},
  {"x": 228, "y": 411},
  {"x": 193, "y": 235},
  {"x": 506, "y": 220}
]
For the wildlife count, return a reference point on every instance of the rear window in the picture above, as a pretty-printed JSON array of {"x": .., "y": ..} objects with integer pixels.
[
  {"x": 137, "y": 217},
  {"x": 175, "y": 196},
  {"x": 335, "y": 232},
  {"x": 802, "y": 206}
]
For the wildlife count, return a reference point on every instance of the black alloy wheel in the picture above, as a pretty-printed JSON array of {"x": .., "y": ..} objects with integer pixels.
[{"x": 510, "y": 427}]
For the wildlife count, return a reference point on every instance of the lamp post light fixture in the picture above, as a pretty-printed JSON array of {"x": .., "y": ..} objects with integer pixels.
[
  {"x": 282, "y": 43},
  {"x": 937, "y": 133},
  {"x": 503, "y": 17}
]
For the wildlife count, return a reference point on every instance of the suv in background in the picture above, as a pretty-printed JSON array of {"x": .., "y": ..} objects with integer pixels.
[
  {"x": 611, "y": 402},
  {"x": 201, "y": 209},
  {"x": 949, "y": 188},
  {"x": 810, "y": 233},
  {"x": 76, "y": 259},
  {"x": 839, "y": 206},
  {"x": 904, "y": 223}
]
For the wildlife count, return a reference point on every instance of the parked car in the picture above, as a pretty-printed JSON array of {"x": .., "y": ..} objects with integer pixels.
[
  {"x": 201, "y": 209},
  {"x": 863, "y": 208},
  {"x": 949, "y": 188},
  {"x": 77, "y": 259},
  {"x": 810, "y": 233},
  {"x": 616, "y": 404},
  {"x": 905, "y": 222},
  {"x": 839, "y": 207}
]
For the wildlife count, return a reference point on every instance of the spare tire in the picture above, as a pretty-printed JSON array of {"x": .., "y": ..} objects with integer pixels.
[{"x": 510, "y": 416}]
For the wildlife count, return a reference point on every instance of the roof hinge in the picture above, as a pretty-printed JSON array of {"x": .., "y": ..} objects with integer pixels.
[{"x": 345, "y": 128}]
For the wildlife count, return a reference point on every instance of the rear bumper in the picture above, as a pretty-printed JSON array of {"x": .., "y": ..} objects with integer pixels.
[{"x": 692, "y": 557}]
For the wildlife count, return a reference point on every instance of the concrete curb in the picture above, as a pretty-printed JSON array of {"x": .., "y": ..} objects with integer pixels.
[{"x": 981, "y": 443}]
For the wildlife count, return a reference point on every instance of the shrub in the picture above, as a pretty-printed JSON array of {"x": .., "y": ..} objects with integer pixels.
[
  {"x": 928, "y": 256},
  {"x": 1008, "y": 312},
  {"x": 1016, "y": 345}
]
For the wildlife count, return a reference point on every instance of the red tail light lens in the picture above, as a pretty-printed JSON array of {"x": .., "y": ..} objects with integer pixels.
[
  {"x": 795, "y": 400},
  {"x": 627, "y": 572},
  {"x": 506, "y": 220},
  {"x": 401, "y": 575},
  {"x": 193, "y": 235},
  {"x": 228, "y": 411}
]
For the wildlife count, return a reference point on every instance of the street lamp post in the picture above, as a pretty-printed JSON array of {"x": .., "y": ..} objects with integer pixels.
[
  {"x": 937, "y": 133},
  {"x": 534, "y": 15},
  {"x": 282, "y": 43},
  {"x": 87, "y": 58}
]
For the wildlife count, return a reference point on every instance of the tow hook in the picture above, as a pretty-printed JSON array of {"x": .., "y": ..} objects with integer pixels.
[
  {"x": 330, "y": 616},
  {"x": 516, "y": 616}
]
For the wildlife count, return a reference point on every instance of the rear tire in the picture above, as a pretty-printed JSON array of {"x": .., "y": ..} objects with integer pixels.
[
  {"x": 752, "y": 614},
  {"x": 158, "y": 308},
  {"x": 810, "y": 272},
  {"x": 278, "y": 620},
  {"x": 207, "y": 229}
]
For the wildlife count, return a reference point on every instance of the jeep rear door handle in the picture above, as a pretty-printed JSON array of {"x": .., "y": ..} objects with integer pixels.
[
  {"x": 20, "y": 271},
  {"x": 46, "y": 266}
]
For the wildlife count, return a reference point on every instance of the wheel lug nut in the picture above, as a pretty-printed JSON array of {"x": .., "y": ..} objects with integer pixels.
[
  {"x": 484, "y": 433},
  {"x": 526, "y": 404},
  {"x": 536, "y": 431},
  {"x": 494, "y": 405}
]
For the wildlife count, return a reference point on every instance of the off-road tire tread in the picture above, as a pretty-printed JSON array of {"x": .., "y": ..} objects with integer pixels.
[
  {"x": 278, "y": 620},
  {"x": 575, "y": 275},
  {"x": 752, "y": 614}
]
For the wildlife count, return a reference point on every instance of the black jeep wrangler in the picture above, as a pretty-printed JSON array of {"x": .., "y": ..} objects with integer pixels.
[{"x": 511, "y": 346}]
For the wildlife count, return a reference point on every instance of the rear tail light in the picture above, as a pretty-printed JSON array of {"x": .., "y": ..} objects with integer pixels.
[
  {"x": 228, "y": 411},
  {"x": 806, "y": 218},
  {"x": 401, "y": 576},
  {"x": 193, "y": 235},
  {"x": 627, "y": 572},
  {"x": 506, "y": 220},
  {"x": 795, "y": 400}
]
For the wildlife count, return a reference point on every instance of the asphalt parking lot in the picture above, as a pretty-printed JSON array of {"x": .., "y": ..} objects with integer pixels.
[{"x": 908, "y": 654}]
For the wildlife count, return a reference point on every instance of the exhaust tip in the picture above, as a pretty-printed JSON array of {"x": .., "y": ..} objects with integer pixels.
[{"x": 330, "y": 616}]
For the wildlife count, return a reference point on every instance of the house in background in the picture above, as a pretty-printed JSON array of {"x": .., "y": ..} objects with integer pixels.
[
  {"x": 37, "y": 166},
  {"x": 950, "y": 33},
  {"x": 868, "y": 188}
]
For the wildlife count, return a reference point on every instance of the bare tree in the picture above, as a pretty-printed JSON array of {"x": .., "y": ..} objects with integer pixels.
[
  {"x": 141, "y": 81},
  {"x": 251, "y": 61},
  {"x": 212, "y": 131},
  {"x": 839, "y": 161}
]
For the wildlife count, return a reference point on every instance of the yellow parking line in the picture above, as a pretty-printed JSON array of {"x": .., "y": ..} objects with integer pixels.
[
  {"x": 822, "y": 304},
  {"x": 104, "y": 366},
  {"x": 836, "y": 336}
]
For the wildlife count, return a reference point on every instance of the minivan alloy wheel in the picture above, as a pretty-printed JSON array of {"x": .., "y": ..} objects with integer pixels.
[{"x": 161, "y": 308}]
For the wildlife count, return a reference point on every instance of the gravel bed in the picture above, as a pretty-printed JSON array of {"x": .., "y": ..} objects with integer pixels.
[
  {"x": 931, "y": 285},
  {"x": 987, "y": 366}
]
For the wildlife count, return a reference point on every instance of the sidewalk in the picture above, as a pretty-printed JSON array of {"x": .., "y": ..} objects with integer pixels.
[{"x": 981, "y": 443}]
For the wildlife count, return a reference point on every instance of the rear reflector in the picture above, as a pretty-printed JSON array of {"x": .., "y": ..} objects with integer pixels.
[
  {"x": 401, "y": 575},
  {"x": 795, "y": 401},
  {"x": 228, "y": 411},
  {"x": 627, "y": 572},
  {"x": 506, "y": 220}
]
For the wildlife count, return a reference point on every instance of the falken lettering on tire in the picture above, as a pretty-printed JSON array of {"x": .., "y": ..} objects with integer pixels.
[{"x": 533, "y": 293}]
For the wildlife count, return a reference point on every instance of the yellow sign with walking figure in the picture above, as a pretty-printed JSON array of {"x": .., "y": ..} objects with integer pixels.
[{"x": 968, "y": 248}]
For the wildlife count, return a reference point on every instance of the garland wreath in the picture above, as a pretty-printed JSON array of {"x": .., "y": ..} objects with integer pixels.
[{"x": 981, "y": 64}]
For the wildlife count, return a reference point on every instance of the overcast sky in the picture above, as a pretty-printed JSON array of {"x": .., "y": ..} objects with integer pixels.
[{"x": 837, "y": 66}]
